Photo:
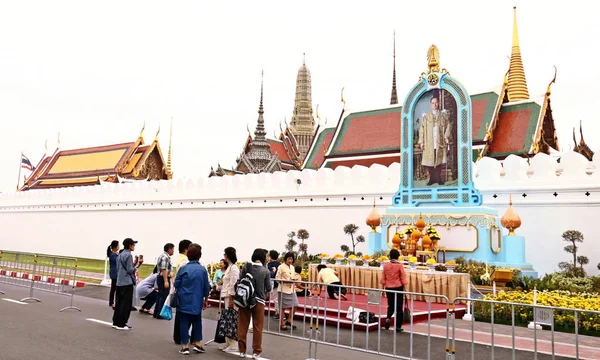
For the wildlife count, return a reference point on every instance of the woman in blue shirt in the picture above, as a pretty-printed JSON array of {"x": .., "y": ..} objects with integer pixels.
[
  {"x": 193, "y": 289},
  {"x": 112, "y": 253}
]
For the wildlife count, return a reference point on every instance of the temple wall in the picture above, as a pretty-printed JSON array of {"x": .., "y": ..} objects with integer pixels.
[{"x": 259, "y": 210}]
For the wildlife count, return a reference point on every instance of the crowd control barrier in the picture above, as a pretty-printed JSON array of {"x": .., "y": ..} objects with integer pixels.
[{"x": 38, "y": 272}]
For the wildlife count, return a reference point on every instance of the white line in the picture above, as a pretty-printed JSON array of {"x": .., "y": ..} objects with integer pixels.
[
  {"x": 15, "y": 301},
  {"x": 99, "y": 321},
  {"x": 248, "y": 356}
]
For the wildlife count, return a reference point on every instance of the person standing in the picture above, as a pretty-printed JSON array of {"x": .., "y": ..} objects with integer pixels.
[
  {"x": 287, "y": 295},
  {"x": 262, "y": 280},
  {"x": 180, "y": 262},
  {"x": 125, "y": 281},
  {"x": 193, "y": 289},
  {"x": 112, "y": 253},
  {"x": 230, "y": 321},
  {"x": 434, "y": 137},
  {"x": 163, "y": 280},
  {"x": 393, "y": 278}
]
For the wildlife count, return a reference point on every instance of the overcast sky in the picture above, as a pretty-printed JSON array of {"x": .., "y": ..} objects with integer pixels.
[{"x": 95, "y": 71}]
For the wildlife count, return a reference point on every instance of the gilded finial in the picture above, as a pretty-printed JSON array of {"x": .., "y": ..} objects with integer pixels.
[
  {"x": 479, "y": 154},
  {"x": 169, "y": 169},
  {"x": 58, "y": 141},
  {"x": 317, "y": 113},
  {"x": 511, "y": 220},
  {"x": 433, "y": 59},
  {"x": 343, "y": 101},
  {"x": 158, "y": 132},
  {"x": 552, "y": 81},
  {"x": 142, "y": 131},
  {"x": 248, "y": 130},
  {"x": 46, "y": 147},
  {"x": 581, "y": 141}
]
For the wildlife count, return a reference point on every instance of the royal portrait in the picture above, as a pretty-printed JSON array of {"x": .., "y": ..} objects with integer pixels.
[{"x": 434, "y": 140}]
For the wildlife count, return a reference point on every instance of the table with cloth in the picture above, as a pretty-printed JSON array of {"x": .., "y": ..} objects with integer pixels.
[{"x": 451, "y": 285}]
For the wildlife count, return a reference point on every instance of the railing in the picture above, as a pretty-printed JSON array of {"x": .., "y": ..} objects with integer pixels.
[{"x": 40, "y": 272}]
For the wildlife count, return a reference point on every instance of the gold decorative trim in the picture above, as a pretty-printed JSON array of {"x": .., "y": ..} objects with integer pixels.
[
  {"x": 469, "y": 227},
  {"x": 492, "y": 240}
]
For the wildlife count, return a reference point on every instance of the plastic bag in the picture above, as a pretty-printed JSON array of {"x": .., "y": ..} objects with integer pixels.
[{"x": 166, "y": 312}]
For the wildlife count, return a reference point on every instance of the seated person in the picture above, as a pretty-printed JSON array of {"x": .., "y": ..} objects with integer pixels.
[
  {"x": 217, "y": 281},
  {"x": 301, "y": 289},
  {"x": 329, "y": 276},
  {"x": 147, "y": 290}
]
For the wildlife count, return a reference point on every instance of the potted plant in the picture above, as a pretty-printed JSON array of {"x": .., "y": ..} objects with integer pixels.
[
  {"x": 324, "y": 257},
  {"x": 413, "y": 262},
  {"x": 382, "y": 260},
  {"x": 366, "y": 260},
  {"x": 338, "y": 259},
  {"x": 352, "y": 259},
  {"x": 431, "y": 264}
]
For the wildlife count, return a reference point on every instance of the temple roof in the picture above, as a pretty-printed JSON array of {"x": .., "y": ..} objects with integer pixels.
[
  {"x": 319, "y": 146},
  {"x": 484, "y": 106},
  {"x": 89, "y": 166}
]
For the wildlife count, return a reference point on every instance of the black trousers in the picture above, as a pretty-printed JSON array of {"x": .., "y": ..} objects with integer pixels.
[
  {"x": 113, "y": 291},
  {"x": 162, "y": 295},
  {"x": 395, "y": 302},
  {"x": 123, "y": 305},
  {"x": 177, "y": 329}
]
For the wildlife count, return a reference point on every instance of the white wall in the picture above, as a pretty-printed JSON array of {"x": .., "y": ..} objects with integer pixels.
[{"x": 231, "y": 211}]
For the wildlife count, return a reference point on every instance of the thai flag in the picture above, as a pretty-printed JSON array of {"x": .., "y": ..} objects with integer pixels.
[{"x": 26, "y": 164}]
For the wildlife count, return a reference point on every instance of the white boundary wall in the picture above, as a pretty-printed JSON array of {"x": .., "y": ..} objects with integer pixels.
[{"x": 259, "y": 210}]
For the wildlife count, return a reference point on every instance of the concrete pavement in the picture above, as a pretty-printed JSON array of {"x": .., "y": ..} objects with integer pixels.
[{"x": 40, "y": 331}]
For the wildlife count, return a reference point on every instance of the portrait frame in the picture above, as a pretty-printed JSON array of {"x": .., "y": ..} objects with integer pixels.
[{"x": 463, "y": 192}]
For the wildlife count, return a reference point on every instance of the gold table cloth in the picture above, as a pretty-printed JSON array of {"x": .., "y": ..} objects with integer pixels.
[{"x": 451, "y": 285}]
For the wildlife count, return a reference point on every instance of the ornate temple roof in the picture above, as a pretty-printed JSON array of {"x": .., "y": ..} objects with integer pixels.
[
  {"x": 257, "y": 156},
  {"x": 90, "y": 166}
]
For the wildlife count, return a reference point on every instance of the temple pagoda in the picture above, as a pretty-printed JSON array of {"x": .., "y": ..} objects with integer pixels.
[
  {"x": 505, "y": 121},
  {"x": 115, "y": 163},
  {"x": 290, "y": 148}
]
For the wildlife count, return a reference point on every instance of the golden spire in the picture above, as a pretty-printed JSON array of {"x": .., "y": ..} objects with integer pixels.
[
  {"x": 517, "y": 84},
  {"x": 394, "y": 98},
  {"x": 169, "y": 169},
  {"x": 511, "y": 220}
]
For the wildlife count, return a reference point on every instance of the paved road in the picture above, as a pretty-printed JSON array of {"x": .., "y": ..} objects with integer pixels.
[{"x": 40, "y": 331}]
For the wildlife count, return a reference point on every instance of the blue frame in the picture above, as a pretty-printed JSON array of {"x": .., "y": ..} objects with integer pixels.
[{"x": 465, "y": 193}]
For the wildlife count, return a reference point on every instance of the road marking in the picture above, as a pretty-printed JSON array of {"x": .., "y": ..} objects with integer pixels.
[
  {"x": 248, "y": 356},
  {"x": 99, "y": 321},
  {"x": 14, "y": 301}
]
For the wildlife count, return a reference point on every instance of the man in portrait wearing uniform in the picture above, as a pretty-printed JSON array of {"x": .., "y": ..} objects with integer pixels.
[{"x": 434, "y": 137}]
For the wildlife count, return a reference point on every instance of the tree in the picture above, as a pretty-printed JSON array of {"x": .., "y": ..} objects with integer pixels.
[
  {"x": 582, "y": 260},
  {"x": 350, "y": 229},
  {"x": 291, "y": 243},
  {"x": 303, "y": 235},
  {"x": 573, "y": 237},
  {"x": 598, "y": 266}
]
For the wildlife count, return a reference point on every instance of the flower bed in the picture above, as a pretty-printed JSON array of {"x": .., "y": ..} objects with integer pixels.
[{"x": 589, "y": 323}]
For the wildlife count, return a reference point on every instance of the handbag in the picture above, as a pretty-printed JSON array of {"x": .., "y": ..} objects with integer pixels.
[
  {"x": 362, "y": 317},
  {"x": 406, "y": 315},
  {"x": 174, "y": 300},
  {"x": 228, "y": 326},
  {"x": 166, "y": 312}
]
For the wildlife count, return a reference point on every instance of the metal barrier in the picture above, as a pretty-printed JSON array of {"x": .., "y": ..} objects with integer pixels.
[
  {"x": 313, "y": 311},
  {"x": 39, "y": 272},
  {"x": 515, "y": 313}
]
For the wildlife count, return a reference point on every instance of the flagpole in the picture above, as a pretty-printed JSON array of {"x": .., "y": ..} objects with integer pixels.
[{"x": 20, "y": 166}]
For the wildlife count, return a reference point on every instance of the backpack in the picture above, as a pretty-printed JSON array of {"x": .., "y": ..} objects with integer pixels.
[{"x": 244, "y": 291}]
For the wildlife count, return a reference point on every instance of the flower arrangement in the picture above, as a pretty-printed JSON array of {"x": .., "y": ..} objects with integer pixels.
[
  {"x": 338, "y": 256},
  {"x": 563, "y": 320},
  {"x": 408, "y": 231},
  {"x": 430, "y": 261},
  {"x": 367, "y": 258},
  {"x": 352, "y": 257},
  {"x": 451, "y": 263},
  {"x": 383, "y": 258},
  {"x": 324, "y": 256},
  {"x": 412, "y": 260}
]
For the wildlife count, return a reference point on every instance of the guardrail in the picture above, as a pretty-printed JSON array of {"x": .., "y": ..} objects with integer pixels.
[{"x": 40, "y": 272}]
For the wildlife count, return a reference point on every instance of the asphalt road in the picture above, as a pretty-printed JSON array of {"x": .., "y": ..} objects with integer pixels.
[{"x": 40, "y": 331}]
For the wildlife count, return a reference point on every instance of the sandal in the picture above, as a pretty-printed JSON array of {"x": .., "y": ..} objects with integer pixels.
[
  {"x": 283, "y": 327},
  {"x": 294, "y": 327}
]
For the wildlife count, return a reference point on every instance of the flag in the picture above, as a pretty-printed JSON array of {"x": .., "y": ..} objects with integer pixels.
[{"x": 26, "y": 164}]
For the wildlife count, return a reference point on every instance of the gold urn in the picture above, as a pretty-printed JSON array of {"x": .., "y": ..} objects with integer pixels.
[
  {"x": 511, "y": 220},
  {"x": 420, "y": 224},
  {"x": 374, "y": 218},
  {"x": 397, "y": 241}
]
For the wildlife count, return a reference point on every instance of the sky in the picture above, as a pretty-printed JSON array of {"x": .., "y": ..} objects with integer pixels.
[{"x": 96, "y": 71}]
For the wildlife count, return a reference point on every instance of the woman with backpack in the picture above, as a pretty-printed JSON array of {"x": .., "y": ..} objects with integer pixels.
[
  {"x": 257, "y": 274},
  {"x": 229, "y": 319}
]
